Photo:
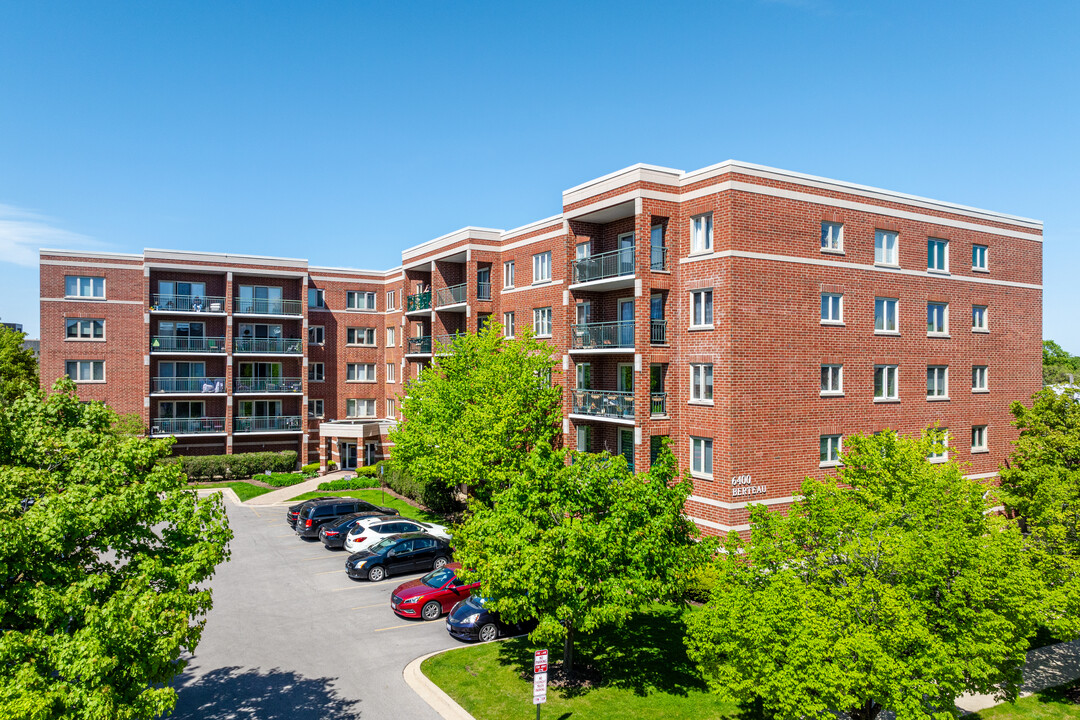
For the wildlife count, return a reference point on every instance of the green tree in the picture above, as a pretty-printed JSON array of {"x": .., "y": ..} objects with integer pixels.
[
  {"x": 1041, "y": 484},
  {"x": 577, "y": 546},
  {"x": 104, "y": 556},
  {"x": 474, "y": 415},
  {"x": 899, "y": 591},
  {"x": 18, "y": 366},
  {"x": 1058, "y": 364}
]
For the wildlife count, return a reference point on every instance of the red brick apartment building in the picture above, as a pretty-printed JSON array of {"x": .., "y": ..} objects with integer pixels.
[{"x": 754, "y": 316}]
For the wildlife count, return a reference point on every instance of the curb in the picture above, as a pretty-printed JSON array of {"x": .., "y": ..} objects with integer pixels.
[{"x": 431, "y": 693}]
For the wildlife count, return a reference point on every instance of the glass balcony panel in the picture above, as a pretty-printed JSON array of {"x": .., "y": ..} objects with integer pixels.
[
  {"x": 419, "y": 301},
  {"x": 599, "y": 336},
  {"x": 418, "y": 344},
  {"x": 615, "y": 263},
  {"x": 450, "y": 295},
  {"x": 658, "y": 257},
  {"x": 187, "y": 385},
  {"x": 267, "y": 306},
  {"x": 186, "y": 426},
  {"x": 176, "y": 343},
  {"x": 187, "y": 303},
  {"x": 266, "y": 423},
  {"x": 267, "y": 385},
  {"x": 283, "y": 346},
  {"x": 604, "y": 403}
]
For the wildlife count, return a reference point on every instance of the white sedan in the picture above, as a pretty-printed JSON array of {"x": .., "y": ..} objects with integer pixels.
[{"x": 371, "y": 530}]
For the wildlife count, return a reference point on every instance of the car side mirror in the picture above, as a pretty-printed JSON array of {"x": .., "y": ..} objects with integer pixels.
[{"x": 391, "y": 553}]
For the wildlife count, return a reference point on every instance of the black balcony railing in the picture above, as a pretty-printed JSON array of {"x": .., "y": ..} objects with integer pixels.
[
  {"x": 187, "y": 303},
  {"x": 187, "y": 385},
  {"x": 182, "y": 344},
  {"x": 187, "y": 426},
  {"x": 658, "y": 332},
  {"x": 419, "y": 301},
  {"x": 257, "y": 306},
  {"x": 601, "y": 336},
  {"x": 275, "y": 346},
  {"x": 604, "y": 403},
  {"x": 443, "y": 343},
  {"x": 657, "y": 257},
  {"x": 605, "y": 265},
  {"x": 415, "y": 345},
  {"x": 450, "y": 295},
  {"x": 658, "y": 403},
  {"x": 267, "y": 385},
  {"x": 266, "y": 423},
  {"x": 483, "y": 291}
]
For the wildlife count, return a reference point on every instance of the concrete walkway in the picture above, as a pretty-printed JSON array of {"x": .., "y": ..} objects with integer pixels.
[
  {"x": 281, "y": 496},
  {"x": 1046, "y": 667}
]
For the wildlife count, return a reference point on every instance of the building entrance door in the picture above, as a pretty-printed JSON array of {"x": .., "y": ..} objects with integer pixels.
[{"x": 348, "y": 456}]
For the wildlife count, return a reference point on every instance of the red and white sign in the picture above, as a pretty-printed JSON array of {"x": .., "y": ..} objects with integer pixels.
[
  {"x": 540, "y": 661},
  {"x": 540, "y": 665}
]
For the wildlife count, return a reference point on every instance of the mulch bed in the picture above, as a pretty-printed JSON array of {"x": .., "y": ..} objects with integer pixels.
[{"x": 585, "y": 677}]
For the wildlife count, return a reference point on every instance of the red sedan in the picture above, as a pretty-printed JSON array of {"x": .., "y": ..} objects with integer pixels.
[{"x": 432, "y": 595}]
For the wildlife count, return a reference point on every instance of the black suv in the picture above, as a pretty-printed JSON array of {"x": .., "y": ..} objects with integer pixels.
[
  {"x": 294, "y": 510},
  {"x": 399, "y": 554},
  {"x": 316, "y": 513}
]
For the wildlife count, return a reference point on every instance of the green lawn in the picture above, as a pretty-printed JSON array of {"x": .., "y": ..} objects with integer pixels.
[
  {"x": 244, "y": 490},
  {"x": 376, "y": 497},
  {"x": 643, "y": 668},
  {"x": 1056, "y": 703}
]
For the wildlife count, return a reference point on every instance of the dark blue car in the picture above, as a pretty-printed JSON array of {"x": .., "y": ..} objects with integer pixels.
[{"x": 471, "y": 620}]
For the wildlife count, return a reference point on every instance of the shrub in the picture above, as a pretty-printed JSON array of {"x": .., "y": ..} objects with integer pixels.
[
  {"x": 310, "y": 468},
  {"x": 283, "y": 479},
  {"x": 353, "y": 483},
  {"x": 701, "y": 581},
  {"x": 331, "y": 465},
  {"x": 367, "y": 471},
  {"x": 240, "y": 465}
]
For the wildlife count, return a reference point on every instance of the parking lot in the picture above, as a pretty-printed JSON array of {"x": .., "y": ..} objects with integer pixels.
[{"x": 291, "y": 636}]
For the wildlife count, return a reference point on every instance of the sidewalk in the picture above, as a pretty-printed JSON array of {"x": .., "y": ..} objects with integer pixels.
[
  {"x": 1046, "y": 667},
  {"x": 277, "y": 497}
]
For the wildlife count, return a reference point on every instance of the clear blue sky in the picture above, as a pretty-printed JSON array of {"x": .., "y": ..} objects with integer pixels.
[{"x": 346, "y": 131}]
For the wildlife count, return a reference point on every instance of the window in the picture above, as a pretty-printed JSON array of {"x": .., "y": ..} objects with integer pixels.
[
  {"x": 391, "y": 299},
  {"x": 885, "y": 315},
  {"x": 885, "y": 382},
  {"x": 830, "y": 451},
  {"x": 978, "y": 379},
  {"x": 832, "y": 236},
  {"x": 937, "y": 318},
  {"x": 940, "y": 453},
  {"x": 701, "y": 457},
  {"x": 389, "y": 337},
  {"x": 542, "y": 322},
  {"x": 316, "y": 372},
  {"x": 84, "y": 329},
  {"x": 359, "y": 408},
  {"x": 584, "y": 376},
  {"x": 832, "y": 308},
  {"x": 89, "y": 287},
  {"x": 261, "y": 299},
  {"x": 832, "y": 379},
  {"x": 885, "y": 250},
  {"x": 316, "y": 335},
  {"x": 584, "y": 437},
  {"x": 978, "y": 258},
  {"x": 391, "y": 370},
  {"x": 978, "y": 438},
  {"x": 508, "y": 324},
  {"x": 701, "y": 233},
  {"x": 315, "y": 298},
  {"x": 701, "y": 383},
  {"x": 937, "y": 382},
  {"x": 542, "y": 267},
  {"x": 508, "y": 274},
  {"x": 360, "y": 336},
  {"x": 360, "y": 372},
  {"x": 391, "y": 408},
  {"x": 978, "y": 319},
  {"x": 182, "y": 409},
  {"x": 937, "y": 255},
  {"x": 85, "y": 370},
  {"x": 315, "y": 408},
  {"x": 701, "y": 308},
  {"x": 357, "y": 300}
]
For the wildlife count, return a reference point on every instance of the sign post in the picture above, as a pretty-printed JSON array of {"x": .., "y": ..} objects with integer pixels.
[{"x": 540, "y": 666}]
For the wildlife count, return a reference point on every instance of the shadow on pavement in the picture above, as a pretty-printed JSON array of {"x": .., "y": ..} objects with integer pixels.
[{"x": 235, "y": 693}]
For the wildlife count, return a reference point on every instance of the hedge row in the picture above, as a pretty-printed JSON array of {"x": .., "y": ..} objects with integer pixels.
[
  {"x": 282, "y": 479},
  {"x": 353, "y": 483},
  {"x": 241, "y": 465}
]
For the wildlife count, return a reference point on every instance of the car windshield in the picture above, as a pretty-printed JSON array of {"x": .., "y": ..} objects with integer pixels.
[
  {"x": 437, "y": 578},
  {"x": 478, "y": 602},
  {"x": 382, "y": 545}
]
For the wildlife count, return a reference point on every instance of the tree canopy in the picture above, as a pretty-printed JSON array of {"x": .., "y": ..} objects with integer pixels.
[
  {"x": 18, "y": 365},
  {"x": 474, "y": 415},
  {"x": 580, "y": 545},
  {"x": 1058, "y": 364},
  {"x": 899, "y": 591},
  {"x": 104, "y": 555}
]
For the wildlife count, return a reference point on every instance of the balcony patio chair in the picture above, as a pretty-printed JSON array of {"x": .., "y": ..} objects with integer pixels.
[
  {"x": 207, "y": 386},
  {"x": 215, "y": 307},
  {"x": 219, "y": 426}
]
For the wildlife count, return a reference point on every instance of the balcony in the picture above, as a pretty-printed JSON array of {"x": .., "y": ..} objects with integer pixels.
[
  {"x": 657, "y": 332},
  {"x": 658, "y": 404},
  {"x": 483, "y": 291},
  {"x": 268, "y": 346},
  {"x": 267, "y": 385},
  {"x": 602, "y": 337},
  {"x": 419, "y": 301},
  {"x": 453, "y": 295},
  {"x": 187, "y": 426},
  {"x": 418, "y": 345},
  {"x": 446, "y": 341},
  {"x": 657, "y": 257},
  {"x": 258, "y": 306},
  {"x": 188, "y": 385},
  {"x": 186, "y": 344},
  {"x": 607, "y": 404},
  {"x": 612, "y": 270},
  {"x": 276, "y": 423},
  {"x": 187, "y": 304}
]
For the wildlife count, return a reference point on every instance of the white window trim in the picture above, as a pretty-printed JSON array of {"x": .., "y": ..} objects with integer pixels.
[
  {"x": 509, "y": 324},
  {"x": 840, "y": 373},
  {"x": 939, "y": 398},
  {"x": 541, "y": 281},
  {"x": 104, "y": 288},
  {"x": 839, "y": 449},
  {"x": 839, "y": 249},
  {"x": 509, "y": 272},
  {"x": 709, "y": 240},
  {"x": 937, "y": 271},
  {"x": 835, "y": 323},
  {"x": 710, "y": 326},
  {"x": 986, "y": 254},
  {"x": 701, "y": 400},
  {"x": 936, "y": 333},
  {"x": 102, "y": 381},
  {"x": 550, "y": 323},
  {"x": 391, "y": 373},
  {"x": 986, "y": 377},
  {"x": 701, "y": 473},
  {"x": 374, "y": 342},
  {"x": 374, "y": 297},
  {"x": 896, "y": 385},
  {"x": 944, "y": 457},
  {"x": 317, "y": 401},
  {"x": 896, "y": 303},
  {"x": 985, "y": 447},
  {"x": 986, "y": 319},
  {"x": 896, "y": 250},
  {"x": 104, "y": 331},
  {"x": 311, "y": 368},
  {"x": 358, "y": 364},
  {"x": 320, "y": 327}
]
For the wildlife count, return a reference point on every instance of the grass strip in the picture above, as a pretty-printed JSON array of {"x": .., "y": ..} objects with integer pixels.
[
  {"x": 377, "y": 497},
  {"x": 244, "y": 490}
]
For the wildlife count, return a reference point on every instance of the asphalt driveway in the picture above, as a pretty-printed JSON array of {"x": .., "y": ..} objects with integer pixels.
[{"x": 291, "y": 636}]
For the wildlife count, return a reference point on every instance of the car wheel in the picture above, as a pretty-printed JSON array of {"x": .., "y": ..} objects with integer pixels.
[
  {"x": 376, "y": 574},
  {"x": 440, "y": 563},
  {"x": 488, "y": 632},
  {"x": 431, "y": 611}
]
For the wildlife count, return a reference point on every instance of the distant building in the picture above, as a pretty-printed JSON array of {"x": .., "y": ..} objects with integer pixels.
[{"x": 13, "y": 326}]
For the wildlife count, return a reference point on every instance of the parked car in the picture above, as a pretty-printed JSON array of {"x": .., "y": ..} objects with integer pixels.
[
  {"x": 471, "y": 620},
  {"x": 316, "y": 513},
  {"x": 294, "y": 510},
  {"x": 332, "y": 534},
  {"x": 432, "y": 595},
  {"x": 397, "y": 555},
  {"x": 368, "y": 532}
]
